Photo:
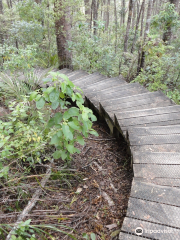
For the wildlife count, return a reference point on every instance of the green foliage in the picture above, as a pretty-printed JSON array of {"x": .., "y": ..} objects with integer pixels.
[
  {"x": 67, "y": 127},
  {"x": 92, "y": 236},
  {"x": 165, "y": 18},
  {"x": 18, "y": 59}
]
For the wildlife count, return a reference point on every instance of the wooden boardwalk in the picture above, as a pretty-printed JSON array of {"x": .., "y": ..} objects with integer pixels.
[{"x": 150, "y": 123}]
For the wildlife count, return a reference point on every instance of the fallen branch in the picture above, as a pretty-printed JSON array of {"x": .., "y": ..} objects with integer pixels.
[{"x": 32, "y": 202}]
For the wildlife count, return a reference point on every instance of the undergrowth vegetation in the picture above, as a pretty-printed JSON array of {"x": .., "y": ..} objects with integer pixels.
[{"x": 42, "y": 126}]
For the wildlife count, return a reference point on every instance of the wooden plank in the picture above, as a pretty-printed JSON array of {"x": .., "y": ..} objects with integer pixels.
[
  {"x": 154, "y": 139},
  {"x": 130, "y": 98},
  {"x": 165, "y": 123},
  {"x": 106, "y": 82},
  {"x": 154, "y": 99},
  {"x": 149, "y": 112},
  {"x": 126, "y": 236},
  {"x": 154, "y": 193},
  {"x": 128, "y": 92},
  {"x": 65, "y": 71},
  {"x": 154, "y": 212},
  {"x": 78, "y": 76},
  {"x": 161, "y": 130},
  {"x": 161, "y": 103},
  {"x": 156, "y": 171},
  {"x": 103, "y": 85},
  {"x": 172, "y": 182},
  {"x": 118, "y": 91},
  {"x": 149, "y": 119},
  {"x": 157, "y": 148},
  {"x": 156, "y": 157},
  {"x": 89, "y": 80},
  {"x": 149, "y": 230}
]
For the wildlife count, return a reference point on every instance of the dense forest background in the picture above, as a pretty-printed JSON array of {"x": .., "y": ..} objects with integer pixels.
[{"x": 136, "y": 38}]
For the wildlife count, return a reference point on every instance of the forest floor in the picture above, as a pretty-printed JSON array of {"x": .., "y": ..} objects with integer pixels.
[{"x": 90, "y": 197}]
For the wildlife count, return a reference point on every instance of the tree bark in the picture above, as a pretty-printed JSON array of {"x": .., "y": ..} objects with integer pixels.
[
  {"x": 123, "y": 7},
  {"x": 95, "y": 15},
  {"x": 116, "y": 24},
  {"x": 141, "y": 58},
  {"x": 87, "y": 10},
  {"x": 168, "y": 32},
  {"x": 63, "y": 35},
  {"x": 1, "y": 7},
  {"x": 128, "y": 25},
  {"x": 137, "y": 25}
]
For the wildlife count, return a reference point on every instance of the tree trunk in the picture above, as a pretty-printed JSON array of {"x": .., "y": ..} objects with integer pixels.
[
  {"x": 95, "y": 15},
  {"x": 133, "y": 14},
  {"x": 137, "y": 25},
  {"x": 1, "y": 7},
  {"x": 62, "y": 27},
  {"x": 123, "y": 7},
  {"x": 87, "y": 10},
  {"x": 168, "y": 33},
  {"x": 116, "y": 24},
  {"x": 141, "y": 58},
  {"x": 128, "y": 26}
]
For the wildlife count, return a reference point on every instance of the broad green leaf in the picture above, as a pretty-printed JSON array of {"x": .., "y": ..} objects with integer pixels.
[
  {"x": 47, "y": 80},
  {"x": 40, "y": 103},
  {"x": 54, "y": 96},
  {"x": 58, "y": 117},
  {"x": 63, "y": 87},
  {"x": 57, "y": 154},
  {"x": 49, "y": 90},
  {"x": 69, "y": 91},
  {"x": 62, "y": 95},
  {"x": 59, "y": 133},
  {"x": 63, "y": 155},
  {"x": 54, "y": 105},
  {"x": 73, "y": 97},
  {"x": 33, "y": 96},
  {"x": 80, "y": 140},
  {"x": 1, "y": 144},
  {"x": 51, "y": 123},
  {"x": 38, "y": 97},
  {"x": 73, "y": 111},
  {"x": 94, "y": 133},
  {"x": 93, "y": 117},
  {"x": 67, "y": 133},
  {"x": 85, "y": 236},
  {"x": 93, "y": 236},
  {"x": 63, "y": 76},
  {"x": 66, "y": 115},
  {"x": 55, "y": 140},
  {"x": 74, "y": 125},
  {"x": 85, "y": 116},
  {"x": 70, "y": 148}
]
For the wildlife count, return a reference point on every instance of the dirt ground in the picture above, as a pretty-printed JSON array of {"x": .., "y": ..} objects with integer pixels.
[{"x": 90, "y": 197}]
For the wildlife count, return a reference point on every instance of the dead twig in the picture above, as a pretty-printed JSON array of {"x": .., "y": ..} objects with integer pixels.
[{"x": 32, "y": 202}]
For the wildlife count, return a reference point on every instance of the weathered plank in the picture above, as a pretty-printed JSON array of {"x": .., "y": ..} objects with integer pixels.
[
  {"x": 160, "y": 118},
  {"x": 78, "y": 76},
  {"x": 154, "y": 139},
  {"x": 156, "y": 171},
  {"x": 154, "y": 99},
  {"x": 89, "y": 80},
  {"x": 126, "y": 236},
  {"x": 128, "y": 92},
  {"x": 154, "y": 212},
  {"x": 106, "y": 84},
  {"x": 161, "y": 130},
  {"x": 156, "y": 157},
  {"x": 101, "y": 86},
  {"x": 149, "y": 230},
  {"x": 65, "y": 71},
  {"x": 172, "y": 182},
  {"x": 154, "y": 193},
  {"x": 157, "y": 148},
  {"x": 149, "y": 112},
  {"x": 118, "y": 91}
]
